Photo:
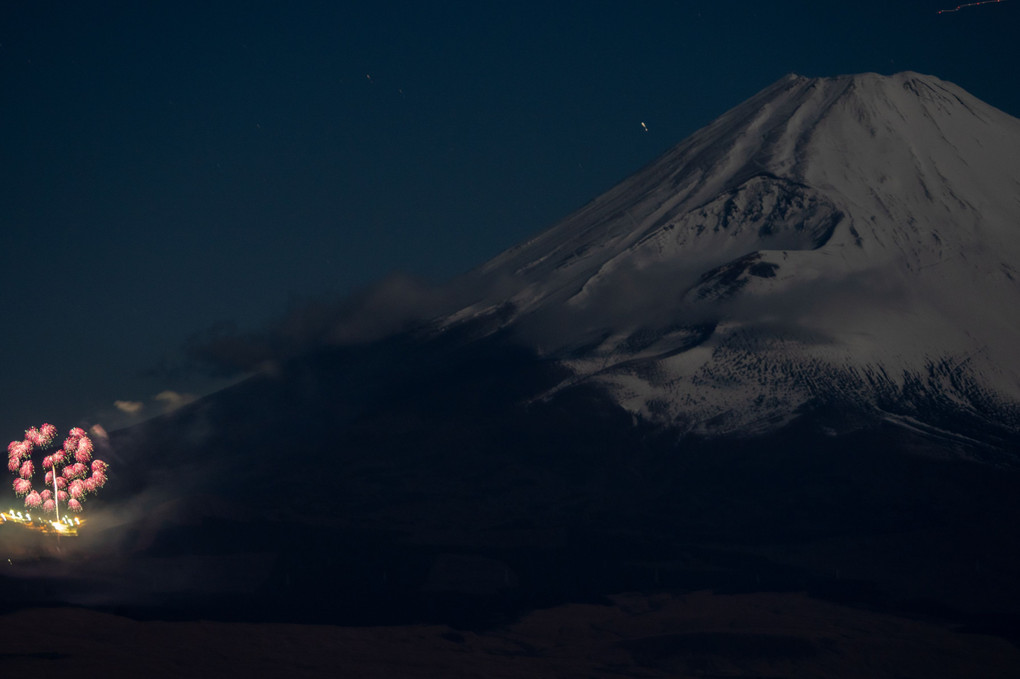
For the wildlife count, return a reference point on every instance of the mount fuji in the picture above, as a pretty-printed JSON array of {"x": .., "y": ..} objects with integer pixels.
[
  {"x": 847, "y": 241},
  {"x": 781, "y": 357}
]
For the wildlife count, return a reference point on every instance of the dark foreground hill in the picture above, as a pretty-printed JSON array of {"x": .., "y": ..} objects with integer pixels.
[
  {"x": 692, "y": 635},
  {"x": 316, "y": 495}
]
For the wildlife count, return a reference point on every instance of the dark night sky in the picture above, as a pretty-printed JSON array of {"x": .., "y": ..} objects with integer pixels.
[{"x": 170, "y": 166}]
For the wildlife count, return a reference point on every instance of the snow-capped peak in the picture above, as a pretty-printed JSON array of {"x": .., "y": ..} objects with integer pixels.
[{"x": 828, "y": 238}]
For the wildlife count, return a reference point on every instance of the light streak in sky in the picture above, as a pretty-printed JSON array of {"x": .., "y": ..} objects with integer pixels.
[{"x": 969, "y": 4}]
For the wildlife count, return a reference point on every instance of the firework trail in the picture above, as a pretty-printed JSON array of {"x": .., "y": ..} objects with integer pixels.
[{"x": 969, "y": 4}]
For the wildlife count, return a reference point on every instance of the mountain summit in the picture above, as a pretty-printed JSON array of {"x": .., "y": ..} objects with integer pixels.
[{"x": 846, "y": 241}]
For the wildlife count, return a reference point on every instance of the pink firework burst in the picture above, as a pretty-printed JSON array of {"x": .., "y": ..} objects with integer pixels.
[
  {"x": 84, "y": 452},
  {"x": 32, "y": 434},
  {"x": 67, "y": 467},
  {"x": 47, "y": 433},
  {"x": 22, "y": 487},
  {"x": 20, "y": 449},
  {"x": 41, "y": 436}
]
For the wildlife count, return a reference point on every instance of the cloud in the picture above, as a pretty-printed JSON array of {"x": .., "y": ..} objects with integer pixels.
[
  {"x": 129, "y": 407},
  {"x": 100, "y": 438},
  {"x": 626, "y": 299},
  {"x": 664, "y": 296},
  {"x": 173, "y": 400},
  {"x": 395, "y": 304}
]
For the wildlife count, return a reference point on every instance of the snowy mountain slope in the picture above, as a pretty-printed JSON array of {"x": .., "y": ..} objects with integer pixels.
[{"x": 849, "y": 239}]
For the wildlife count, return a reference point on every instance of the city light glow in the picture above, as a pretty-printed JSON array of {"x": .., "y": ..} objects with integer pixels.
[{"x": 67, "y": 525}]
